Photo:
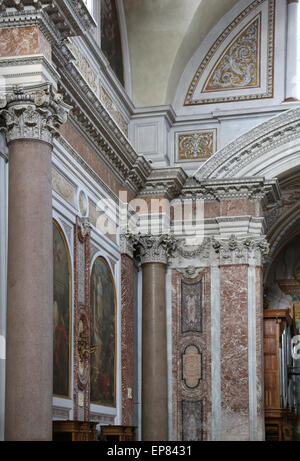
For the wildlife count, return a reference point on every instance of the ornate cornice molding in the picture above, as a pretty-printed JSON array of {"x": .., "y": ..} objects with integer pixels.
[
  {"x": 231, "y": 189},
  {"x": 57, "y": 19},
  {"x": 229, "y": 161},
  {"x": 151, "y": 248},
  {"x": 231, "y": 251},
  {"x": 167, "y": 182},
  {"x": 33, "y": 112}
]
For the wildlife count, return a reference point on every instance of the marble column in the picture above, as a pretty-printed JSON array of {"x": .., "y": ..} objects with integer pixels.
[
  {"x": 291, "y": 84},
  {"x": 154, "y": 251},
  {"x": 32, "y": 116}
]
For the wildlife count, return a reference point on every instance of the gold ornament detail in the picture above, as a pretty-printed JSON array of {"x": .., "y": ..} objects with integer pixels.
[
  {"x": 195, "y": 145},
  {"x": 238, "y": 67}
]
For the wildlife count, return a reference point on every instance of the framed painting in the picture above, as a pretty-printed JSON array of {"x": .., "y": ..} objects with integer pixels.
[
  {"x": 103, "y": 334},
  {"x": 61, "y": 313}
]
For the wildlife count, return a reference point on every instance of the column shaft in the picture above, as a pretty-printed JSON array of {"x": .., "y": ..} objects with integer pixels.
[
  {"x": 29, "y": 354},
  {"x": 154, "y": 387}
]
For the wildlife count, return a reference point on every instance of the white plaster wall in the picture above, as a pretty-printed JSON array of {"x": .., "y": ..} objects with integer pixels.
[{"x": 163, "y": 35}]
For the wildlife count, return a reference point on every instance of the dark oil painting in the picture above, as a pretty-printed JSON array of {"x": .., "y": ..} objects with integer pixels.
[
  {"x": 61, "y": 312},
  {"x": 103, "y": 335},
  {"x": 111, "y": 37}
]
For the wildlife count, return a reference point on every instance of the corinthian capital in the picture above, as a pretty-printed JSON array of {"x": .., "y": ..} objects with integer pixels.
[
  {"x": 153, "y": 248},
  {"x": 249, "y": 250},
  {"x": 34, "y": 112}
]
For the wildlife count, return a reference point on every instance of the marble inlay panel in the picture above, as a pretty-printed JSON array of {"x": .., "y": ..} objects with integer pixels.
[
  {"x": 191, "y": 357},
  {"x": 192, "y": 420}
]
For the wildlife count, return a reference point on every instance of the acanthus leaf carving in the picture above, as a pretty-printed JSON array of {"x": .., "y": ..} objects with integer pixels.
[{"x": 33, "y": 112}]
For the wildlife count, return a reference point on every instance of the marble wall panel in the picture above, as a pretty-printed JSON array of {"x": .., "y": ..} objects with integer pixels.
[{"x": 191, "y": 360}]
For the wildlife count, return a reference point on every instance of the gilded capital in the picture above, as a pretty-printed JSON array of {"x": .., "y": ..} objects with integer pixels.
[{"x": 34, "y": 113}]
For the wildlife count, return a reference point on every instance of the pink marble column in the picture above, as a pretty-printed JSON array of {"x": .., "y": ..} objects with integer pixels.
[{"x": 32, "y": 116}]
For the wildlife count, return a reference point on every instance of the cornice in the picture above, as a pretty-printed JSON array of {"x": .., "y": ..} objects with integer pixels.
[
  {"x": 58, "y": 19},
  {"x": 229, "y": 161},
  {"x": 231, "y": 189},
  {"x": 155, "y": 111},
  {"x": 32, "y": 60},
  {"x": 166, "y": 182}
]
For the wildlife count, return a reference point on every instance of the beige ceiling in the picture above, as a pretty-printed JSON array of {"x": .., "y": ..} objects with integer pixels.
[{"x": 163, "y": 35}]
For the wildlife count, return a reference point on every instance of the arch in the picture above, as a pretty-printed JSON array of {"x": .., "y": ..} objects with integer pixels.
[
  {"x": 62, "y": 315},
  {"x": 266, "y": 150},
  {"x": 103, "y": 302}
]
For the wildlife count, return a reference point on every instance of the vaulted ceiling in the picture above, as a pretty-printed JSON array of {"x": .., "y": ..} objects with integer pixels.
[{"x": 163, "y": 35}]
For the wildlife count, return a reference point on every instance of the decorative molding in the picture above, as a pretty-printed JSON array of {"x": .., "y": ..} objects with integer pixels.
[
  {"x": 167, "y": 182},
  {"x": 195, "y": 145},
  {"x": 113, "y": 110},
  {"x": 231, "y": 189},
  {"x": 84, "y": 66},
  {"x": 60, "y": 412},
  {"x": 34, "y": 112},
  {"x": 267, "y": 92},
  {"x": 251, "y": 146}
]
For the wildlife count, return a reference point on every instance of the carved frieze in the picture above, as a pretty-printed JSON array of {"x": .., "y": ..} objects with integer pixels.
[{"x": 113, "y": 110}]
